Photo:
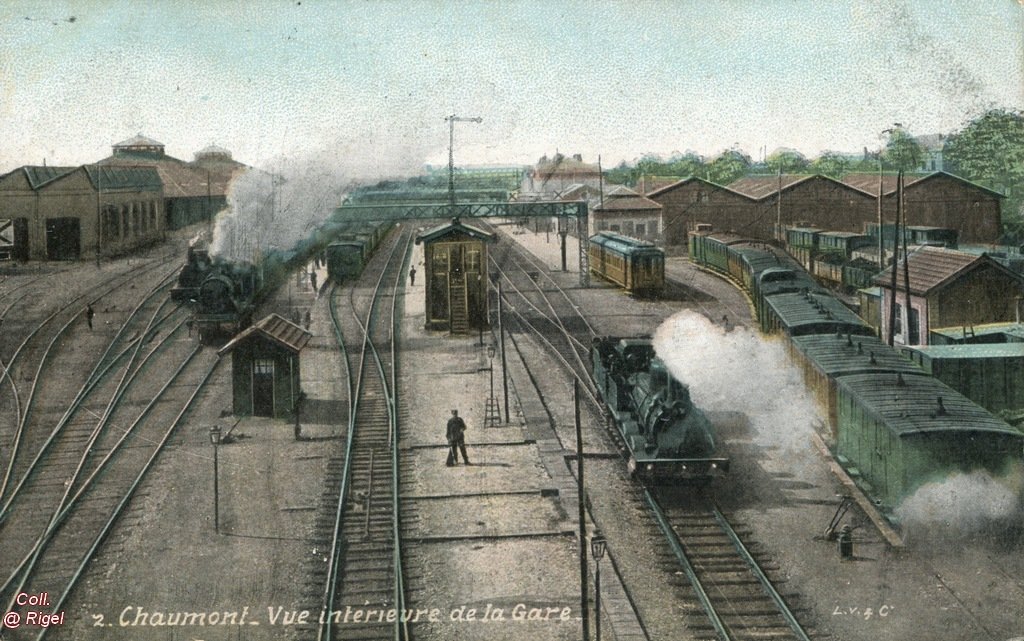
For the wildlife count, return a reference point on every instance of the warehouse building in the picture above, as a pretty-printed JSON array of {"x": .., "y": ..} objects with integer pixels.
[
  {"x": 67, "y": 213},
  {"x": 193, "y": 192}
]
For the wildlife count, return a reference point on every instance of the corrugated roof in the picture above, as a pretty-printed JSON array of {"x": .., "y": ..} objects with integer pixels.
[
  {"x": 868, "y": 183},
  {"x": 845, "y": 355},
  {"x": 104, "y": 177},
  {"x": 179, "y": 179},
  {"x": 932, "y": 267},
  {"x": 38, "y": 176},
  {"x": 912, "y": 408},
  {"x": 625, "y": 199},
  {"x": 758, "y": 187},
  {"x": 276, "y": 328}
]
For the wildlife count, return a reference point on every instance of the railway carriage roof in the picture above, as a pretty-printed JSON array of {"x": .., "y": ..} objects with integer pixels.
[
  {"x": 798, "y": 308},
  {"x": 1006, "y": 330},
  {"x": 845, "y": 355},
  {"x": 912, "y": 409},
  {"x": 625, "y": 245},
  {"x": 971, "y": 351}
]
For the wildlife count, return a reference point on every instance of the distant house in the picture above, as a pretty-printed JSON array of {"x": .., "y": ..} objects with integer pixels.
[
  {"x": 947, "y": 288},
  {"x": 552, "y": 176},
  {"x": 626, "y": 212},
  {"x": 931, "y": 146}
]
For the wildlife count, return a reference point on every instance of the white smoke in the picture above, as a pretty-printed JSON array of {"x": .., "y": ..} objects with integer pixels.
[
  {"x": 274, "y": 208},
  {"x": 740, "y": 371},
  {"x": 962, "y": 505}
]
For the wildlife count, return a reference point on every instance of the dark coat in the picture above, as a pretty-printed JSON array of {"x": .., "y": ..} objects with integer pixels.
[{"x": 456, "y": 429}]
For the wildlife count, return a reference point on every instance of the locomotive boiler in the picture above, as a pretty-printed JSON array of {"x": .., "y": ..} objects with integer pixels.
[{"x": 666, "y": 436}]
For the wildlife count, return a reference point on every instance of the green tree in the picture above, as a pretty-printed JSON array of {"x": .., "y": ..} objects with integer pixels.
[
  {"x": 623, "y": 174},
  {"x": 990, "y": 151},
  {"x": 787, "y": 160},
  {"x": 902, "y": 151},
  {"x": 731, "y": 165},
  {"x": 683, "y": 165},
  {"x": 831, "y": 164}
]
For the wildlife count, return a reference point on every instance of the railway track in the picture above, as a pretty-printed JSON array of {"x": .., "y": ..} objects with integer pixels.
[
  {"x": 361, "y": 538},
  {"x": 44, "y": 348},
  {"x": 741, "y": 601},
  {"x": 107, "y": 465},
  {"x": 736, "y": 595}
]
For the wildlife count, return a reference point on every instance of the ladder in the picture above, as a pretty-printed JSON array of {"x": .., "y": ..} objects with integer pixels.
[{"x": 492, "y": 416}]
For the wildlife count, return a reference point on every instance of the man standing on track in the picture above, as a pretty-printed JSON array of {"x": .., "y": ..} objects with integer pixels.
[
  {"x": 456, "y": 440},
  {"x": 88, "y": 315}
]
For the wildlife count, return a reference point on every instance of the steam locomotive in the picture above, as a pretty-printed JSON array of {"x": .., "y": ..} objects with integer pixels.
[
  {"x": 225, "y": 293},
  {"x": 668, "y": 439}
]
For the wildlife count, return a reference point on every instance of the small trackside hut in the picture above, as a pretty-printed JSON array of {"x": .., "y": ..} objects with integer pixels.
[
  {"x": 265, "y": 368},
  {"x": 455, "y": 256}
]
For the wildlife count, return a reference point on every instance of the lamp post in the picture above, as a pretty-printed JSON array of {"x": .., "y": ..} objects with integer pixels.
[
  {"x": 490, "y": 368},
  {"x": 598, "y": 545},
  {"x": 215, "y": 439}
]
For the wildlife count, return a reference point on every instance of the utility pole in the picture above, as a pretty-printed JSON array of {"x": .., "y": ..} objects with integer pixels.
[{"x": 452, "y": 119}]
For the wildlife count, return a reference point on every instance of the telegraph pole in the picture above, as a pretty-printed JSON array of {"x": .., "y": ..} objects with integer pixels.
[{"x": 452, "y": 119}]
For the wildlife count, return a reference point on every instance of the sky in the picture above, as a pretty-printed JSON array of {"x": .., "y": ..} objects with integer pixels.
[{"x": 365, "y": 86}]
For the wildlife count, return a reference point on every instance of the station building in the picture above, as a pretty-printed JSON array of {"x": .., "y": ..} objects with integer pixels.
[{"x": 68, "y": 213}]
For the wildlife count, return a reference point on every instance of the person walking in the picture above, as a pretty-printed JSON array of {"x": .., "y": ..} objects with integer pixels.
[
  {"x": 455, "y": 433},
  {"x": 312, "y": 279},
  {"x": 412, "y": 276},
  {"x": 89, "y": 313}
]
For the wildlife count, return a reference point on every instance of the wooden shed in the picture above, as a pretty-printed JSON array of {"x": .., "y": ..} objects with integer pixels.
[
  {"x": 947, "y": 288},
  {"x": 265, "y": 368},
  {"x": 455, "y": 255}
]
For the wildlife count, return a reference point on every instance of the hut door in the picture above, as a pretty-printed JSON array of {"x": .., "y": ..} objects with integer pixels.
[
  {"x": 263, "y": 387},
  {"x": 458, "y": 323}
]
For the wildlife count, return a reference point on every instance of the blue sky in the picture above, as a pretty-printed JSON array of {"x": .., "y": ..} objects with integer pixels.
[{"x": 365, "y": 86}]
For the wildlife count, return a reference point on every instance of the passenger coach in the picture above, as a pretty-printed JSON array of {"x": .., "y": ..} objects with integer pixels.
[{"x": 635, "y": 265}]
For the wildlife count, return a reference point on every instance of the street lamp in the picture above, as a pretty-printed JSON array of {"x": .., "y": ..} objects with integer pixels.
[
  {"x": 598, "y": 545},
  {"x": 215, "y": 439},
  {"x": 493, "y": 416}
]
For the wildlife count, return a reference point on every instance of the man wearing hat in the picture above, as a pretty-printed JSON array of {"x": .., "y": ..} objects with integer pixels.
[{"x": 456, "y": 439}]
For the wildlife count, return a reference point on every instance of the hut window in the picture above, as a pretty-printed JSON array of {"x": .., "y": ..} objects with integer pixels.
[
  {"x": 473, "y": 260},
  {"x": 263, "y": 366}
]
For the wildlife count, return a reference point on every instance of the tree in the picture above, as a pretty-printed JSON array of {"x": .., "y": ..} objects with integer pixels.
[
  {"x": 786, "y": 160},
  {"x": 902, "y": 151},
  {"x": 731, "y": 165},
  {"x": 831, "y": 164},
  {"x": 990, "y": 151},
  {"x": 688, "y": 164}
]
